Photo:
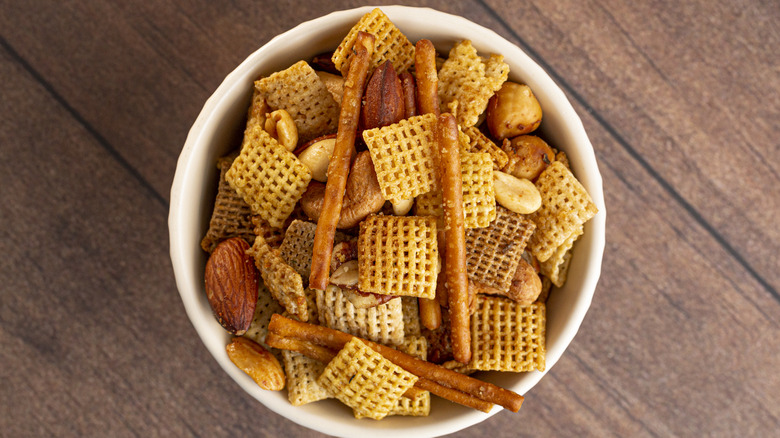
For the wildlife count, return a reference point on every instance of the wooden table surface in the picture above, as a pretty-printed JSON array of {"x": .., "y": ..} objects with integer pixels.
[{"x": 680, "y": 100}]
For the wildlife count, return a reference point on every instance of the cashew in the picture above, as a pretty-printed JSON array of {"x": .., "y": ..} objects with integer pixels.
[
  {"x": 317, "y": 156},
  {"x": 361, "y": 198},
  {"x": 528, "y": 156},
  {"x": 513, "y": 111},
  {"x": 403, "y": 206},
  {"x": 525, "y": 288},
  {"x": 282, "y": 127},
  {"x": 518, "y": 195},
  {"x": 526, "y": 284}
]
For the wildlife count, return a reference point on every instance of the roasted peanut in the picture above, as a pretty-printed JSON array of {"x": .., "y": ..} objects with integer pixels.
[
  {"x": 518, "y": 195},
  {"x": 345, "y": 275},
  {"x": 528, "y": 156},
  {"x": 317, "y": 157},
  {"x": 282, "y": 127},
  {"x": 513, "y": 111}
]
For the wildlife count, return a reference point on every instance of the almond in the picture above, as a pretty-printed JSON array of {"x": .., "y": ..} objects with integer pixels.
[
  {"x": 384, "y": 98},
  {"x": 257, "y": 362},
  {"x": 231, "y": 285}
]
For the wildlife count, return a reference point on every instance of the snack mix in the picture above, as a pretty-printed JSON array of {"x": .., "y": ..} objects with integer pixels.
[{"x": 446, "y": 275}]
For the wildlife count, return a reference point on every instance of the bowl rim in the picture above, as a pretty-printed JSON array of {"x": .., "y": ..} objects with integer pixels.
[{"x": 204, "y": 126}]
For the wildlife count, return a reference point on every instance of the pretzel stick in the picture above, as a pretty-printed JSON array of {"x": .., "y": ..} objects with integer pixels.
[
  {"x": 338, "y": 169},
  {"x": 430, "y": 312},
  {"x": 453, "y": 395},
  {"x": 308, "y": 349},
  {"x": 455, "y": 237},
  {"x": 325, "y": 355},
  {"x": 319, "y": 353},
  {"x": 427, "y": 79},
  {"x": 336, "y": 340},
  {"x": 410, "y": 93}
]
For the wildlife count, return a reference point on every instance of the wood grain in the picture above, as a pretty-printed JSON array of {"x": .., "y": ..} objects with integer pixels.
[{"x": 680, "y": 102}]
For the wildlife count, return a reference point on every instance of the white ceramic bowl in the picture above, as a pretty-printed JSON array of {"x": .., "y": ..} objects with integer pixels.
[{"x": 218, "y": 129}]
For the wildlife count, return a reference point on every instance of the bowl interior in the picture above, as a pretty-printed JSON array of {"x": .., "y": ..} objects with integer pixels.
[{"x": 218, "y": 129}]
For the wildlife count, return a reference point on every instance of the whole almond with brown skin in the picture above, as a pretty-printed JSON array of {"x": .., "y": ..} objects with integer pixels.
[
  {"x": 257, "y": 362},
  {"x": 384, "y": 98},
  {"x": 231, "y": 285}
]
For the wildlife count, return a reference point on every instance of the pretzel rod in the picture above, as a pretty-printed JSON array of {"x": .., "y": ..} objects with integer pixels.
[
  {"x": 409, "y": 92},
  {"x": 338, "y": 169},
  {"x": 427, "y": 79},
  {"x": 454, "y": 237},
  {"x": 335, "y": 339}
]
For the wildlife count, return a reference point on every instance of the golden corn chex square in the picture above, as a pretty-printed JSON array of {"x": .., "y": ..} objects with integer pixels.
[
  {"x": 299, "y": 91},
  {"x": 479, "y": 200},
  {"x": 231, "y": 217},
  {"x": 364, "y": 380},
  {"x": 404, "y": 157},
  {"x": 556, "y": 267},
  {"x": 268, "y": 176},
  {"x": 257, "y": 110},
  {"x": 383, "y": 323},
  {"x": 493, "y": 252},
  {"x": 417, "y": 347},
  {"x": 398, "y": 255},
  {"x": 566, "y": 206},
  {"x": 302, "y": 374},
  {"x": 389, "y": 44},
  {"x": 476, "y": 141},
  {"x": 285, "y": 284},
  {"x": 470, "y": 80},
  {"x": 506, "y": 336}
]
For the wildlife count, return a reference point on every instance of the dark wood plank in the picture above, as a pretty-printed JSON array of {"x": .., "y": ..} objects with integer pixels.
[
  {"x": 93, "y": 332},
  {"x": 670, "y": 85}
]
